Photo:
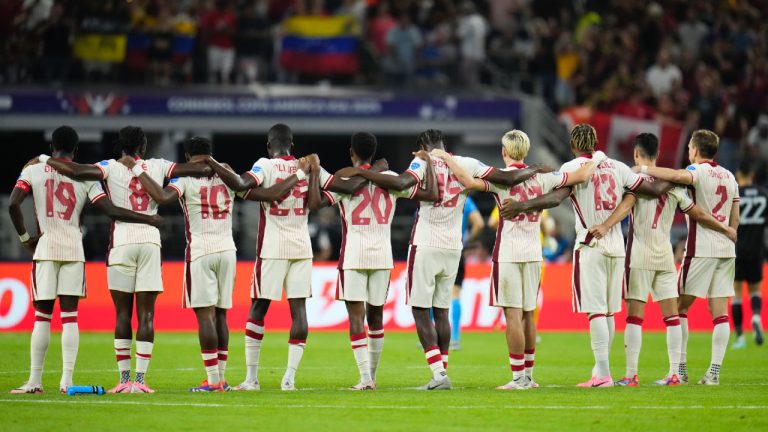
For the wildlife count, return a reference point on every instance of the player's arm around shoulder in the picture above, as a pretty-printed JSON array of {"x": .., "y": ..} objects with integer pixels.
[
  {"x": 77, "y": 171},
  {"x": 584, "y": 172},
  {"x": 156, "y": 191},
  {"x": 462, "y": 175},
  {"x": 242, "y": 182},
  {"x": 124, "y": 215},
  {"x": 431, "y": 191},
  {"x": 316, "y": 197},
  {"x": 680, "y": 176}
]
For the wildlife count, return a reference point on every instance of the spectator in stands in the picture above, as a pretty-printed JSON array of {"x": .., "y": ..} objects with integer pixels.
[
  {"x": 56, "y": 35},
  {"x": 160, "y": 52},
  {"x": 254, "y": 42},
  {"x": 218, "y": 27},
  {"x": 662, "y": 75},
  {"x": 567, "y": 62},
  {"x": 403, "y": 44},
  {"x": 471, "y": 30},
  {"x": 692, "y": 32},
  {"x": 439, "y": 51},
  {"x": 379, "y": 26}
]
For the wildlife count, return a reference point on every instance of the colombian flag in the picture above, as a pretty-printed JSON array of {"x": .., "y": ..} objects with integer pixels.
[{"x": 320, "y": 45}]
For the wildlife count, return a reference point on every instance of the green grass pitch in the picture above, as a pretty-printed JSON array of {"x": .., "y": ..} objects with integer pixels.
[{"x": 562, "y": 360}]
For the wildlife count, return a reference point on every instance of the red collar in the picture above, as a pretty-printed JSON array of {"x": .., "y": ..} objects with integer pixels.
[
  {"x": 517, "y": 165},
  {"x": 65, "y": 159},
  {"x": 288, "y": 158},
  {"x": 138, "y": 158},
  {"x": 365, "y": 166},
  {"x": 710, "y": 163},
  {"x": 586, "y": 155}
]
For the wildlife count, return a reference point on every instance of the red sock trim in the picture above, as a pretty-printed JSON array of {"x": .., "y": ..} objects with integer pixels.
[
  {"x": 223, "y": 356},
  {"x": 434, "y": 359},
  {"x": 516, "y": 356},
  {"x": 593, "y": 316},
  {"x": 685, "y": 315},
  {"x": 143, "y": 355},
  {"x": 528, "y": 363},
  {"x": 517, "y": 368},
  {"x": 356, "y": 337},
  {"x": 375, "y": 336},
  {"x": 211, "y": 362},
  {"x": 297, "y": 341},
  {"x": 444, "y": 352},
  {"x": 530, "y": 351},
  {"x": 122, "y": 357},
  {"x": 253, "y": 335},
  {"x": 68, "y": 320},
  {"x": 635, "y": 320},
  {"x": 720, "y": 320},
  {"x": 42, "y": 318},
  {"x": 258, "y": 323},
  {"x": 672, "y": 321}
]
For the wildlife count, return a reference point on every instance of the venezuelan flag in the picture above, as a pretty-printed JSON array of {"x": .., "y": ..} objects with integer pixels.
[{"x": 320, "y": 45}]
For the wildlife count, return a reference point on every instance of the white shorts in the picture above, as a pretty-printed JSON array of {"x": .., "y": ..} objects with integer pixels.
[
  {"x": 210, "y": 280},
  {"x": 270, "y": 276},
  {"x": 707, "y": 277},
  {"x": 597, "y": 282},
  {"x": 135, "y": 268},
  {"x": 221, "y": 59},
  {"x": 51, "y": 279},
  {"x": 515, "y": 285},
  {"x": 431, "y": 274},
  {"x": 370, "y": 286},
  {"x": 660, "y": 284}
]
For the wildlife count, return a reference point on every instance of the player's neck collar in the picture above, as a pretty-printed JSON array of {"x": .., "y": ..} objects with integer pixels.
[
  {"x": 586, "y": 155},
  {"x": 365, "y": 166},
  {"x": 709, "y": 162},
  {"x": 286, "y": 157},
  {"x": 517, "y": 165}
]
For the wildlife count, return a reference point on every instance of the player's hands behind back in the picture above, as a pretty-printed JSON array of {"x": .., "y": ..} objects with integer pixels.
[
  {"x": 31, "y": 244},
  {"x": 731, "y": 234},
  {"x": 598, "y": 231},
  {"x": 509, "y": 209},
  {"x": 156, "y": 221}
]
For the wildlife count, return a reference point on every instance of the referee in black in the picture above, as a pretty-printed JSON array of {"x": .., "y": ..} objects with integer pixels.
[{"x": 749, "y": 252}]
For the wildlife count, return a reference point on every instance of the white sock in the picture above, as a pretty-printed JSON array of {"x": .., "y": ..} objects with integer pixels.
[
  {"x": 295, "y": 352},
  {"x": 375, "y": 346},
  {"x": 254, "y": 333},
  {"x": 517, "y": 364},
  {"x": 223, "y": 354},
  {"x": 683, "y": 370},
  {"x": 360, "y": 351},
  {"x": 143, "y": 355},
  {"x": 70, "y": 340},
  {"x": 123, "y": 358},
  {"x": 38, "y": 347},
  {"x": 720, "y": 335},
  {"x": 435, "y": 361},
  {"x": 211, "y": 362},
  {"x": 598, "y": 331},
  {"x": 674, "y": 343},
  {"x": 633, "y": 341},
  {"x": 611, "y": 330},
  {"x": 529, "y": 356}
]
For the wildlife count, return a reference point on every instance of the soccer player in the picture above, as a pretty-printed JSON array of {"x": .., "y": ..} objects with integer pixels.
[
  {"x": 650, "y": 264},
  {"x": 435, "y": 246},
  {"x": 516, "y": 271},
  {"x": 365, "y": 259},
  {"x": 472, "y": 225},
  {"x": 133, "y": 257},
  {"x": 598, "y": 264},
  {"x": 750, "y": 254},
  {"x": 709, "y": 264},
  {"x": 283, "y": 249},
  {"x": 58, "y": 264}
]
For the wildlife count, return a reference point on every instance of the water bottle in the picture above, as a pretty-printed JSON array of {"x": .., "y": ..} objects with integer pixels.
[{"x": 81, "y": 390}]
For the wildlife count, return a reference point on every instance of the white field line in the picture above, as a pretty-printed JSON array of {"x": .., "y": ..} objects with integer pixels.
[{"x": 374, "y": 407}]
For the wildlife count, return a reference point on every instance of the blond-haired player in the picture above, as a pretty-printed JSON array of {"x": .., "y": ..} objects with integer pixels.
[
  {"x": 516, "y": 270},
  {"x": 650, "y": 264},
  {"x": 709, "y": 264},
  {"x": 58, "y": 266},
  {"x": 598, "y": 264}
]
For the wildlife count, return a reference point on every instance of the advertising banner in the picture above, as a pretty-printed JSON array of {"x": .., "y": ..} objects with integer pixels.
[{"x": 324, "y": 312}]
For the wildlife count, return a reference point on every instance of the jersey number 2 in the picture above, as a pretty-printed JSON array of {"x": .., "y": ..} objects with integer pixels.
[
  {"x": 276, "y": 210},
  {"x": 381, "y": 216}
]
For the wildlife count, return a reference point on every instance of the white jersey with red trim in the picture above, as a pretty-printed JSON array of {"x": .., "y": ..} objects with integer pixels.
[
  {"x": 283, "y": 231},
  {"x": 714, "y": 190},
  {"x": 207, "y": 203},
  {"x": 59, "y": 201},
  {"x": 366, "y": 222},
  {"x": 596, "y": 199},
  {"x": 438, "y": 224},
  {"x": 126, "y": 191},
  {"x": 519, "y": 239},
  {"x": 648, "y": 244}
]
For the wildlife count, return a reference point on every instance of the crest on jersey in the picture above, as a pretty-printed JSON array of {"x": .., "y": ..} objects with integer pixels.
[
  {"x": 691, "y": 168},
  {"x": 173, "y": 180},
  {"x": 415, "y": 165},
  {"x": 104, "y": 163},
  {"x": 256, "y": 169}
]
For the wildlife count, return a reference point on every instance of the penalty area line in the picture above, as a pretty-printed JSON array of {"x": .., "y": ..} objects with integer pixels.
[{"x": 377, "y": 407}]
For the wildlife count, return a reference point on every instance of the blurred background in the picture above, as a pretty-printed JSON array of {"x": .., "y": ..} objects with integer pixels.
[{"x": 228, "y": 70}]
